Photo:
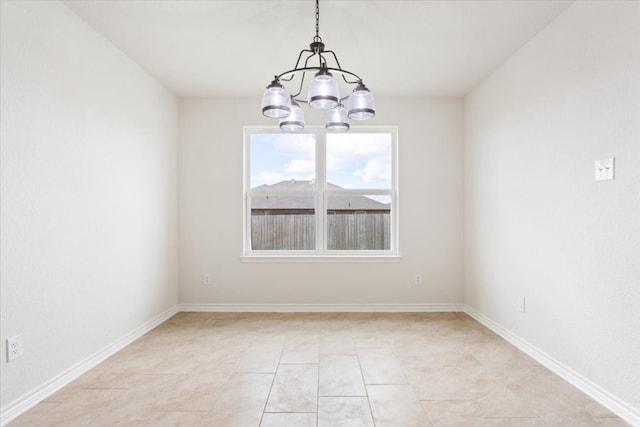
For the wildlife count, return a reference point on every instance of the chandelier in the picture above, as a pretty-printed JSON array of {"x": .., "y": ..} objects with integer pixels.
[{"x": 323, "y": 91}]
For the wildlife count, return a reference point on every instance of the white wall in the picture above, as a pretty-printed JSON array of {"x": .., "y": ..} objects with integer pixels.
[
  {"x": 90, "y": 189},
  {"x": 210, "y": 213},
  {"x": 89, "y": 193},
  {"x": 536, "y": 223}
]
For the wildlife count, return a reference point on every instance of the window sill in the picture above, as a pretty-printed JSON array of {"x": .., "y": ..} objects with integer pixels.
[{"x": 320, "y": 258}]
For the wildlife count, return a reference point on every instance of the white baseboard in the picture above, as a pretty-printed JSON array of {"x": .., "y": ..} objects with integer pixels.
[
  {"x": 32, "y": 398},
  {"x": 24, "y": 403},
  {"x": 600, "y": 395},
  {"x": 323, "y": 308}
]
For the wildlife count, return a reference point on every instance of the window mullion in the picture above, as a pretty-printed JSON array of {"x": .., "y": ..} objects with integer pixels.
[{"x": 321, "y": 200}]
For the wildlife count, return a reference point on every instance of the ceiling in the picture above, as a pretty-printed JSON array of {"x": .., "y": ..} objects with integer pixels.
[{"x": 234, "y": 48}]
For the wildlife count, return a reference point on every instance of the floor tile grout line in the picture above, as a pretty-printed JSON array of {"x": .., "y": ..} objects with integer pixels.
[
  {"x": 366, "y": 391},
  {"x": 343, "y": 395},
  {"x": 273, "y": 380},
  {"x": 318, "y": 390},
  {"x": 510, "y": 418}
]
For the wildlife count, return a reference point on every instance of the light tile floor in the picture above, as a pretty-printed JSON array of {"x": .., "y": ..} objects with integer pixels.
[{"x": 321, "y": 370}]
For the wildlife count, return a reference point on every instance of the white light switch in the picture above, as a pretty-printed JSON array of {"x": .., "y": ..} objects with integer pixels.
[{"x": 604, "y": 169}]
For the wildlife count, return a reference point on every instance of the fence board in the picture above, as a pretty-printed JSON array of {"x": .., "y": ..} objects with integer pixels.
[{"x": 344, "y": 232}]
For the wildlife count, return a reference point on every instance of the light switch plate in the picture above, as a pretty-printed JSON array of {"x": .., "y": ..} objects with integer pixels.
[{"x": 604, "y": 169}]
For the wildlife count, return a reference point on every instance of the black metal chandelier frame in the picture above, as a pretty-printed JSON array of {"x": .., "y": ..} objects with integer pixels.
[
  {"x": 316, "y": 48},
  {"x": 323, "y": 92}
]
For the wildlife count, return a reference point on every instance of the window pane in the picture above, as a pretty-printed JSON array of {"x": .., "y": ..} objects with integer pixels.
[
  {"x": 359, "y": 222},
  {"x": 277, "y": 157},
  {"x": 359, "y": 160},
  {"x": 338, "y": 204},
  {"x": 283, "y": 223}
]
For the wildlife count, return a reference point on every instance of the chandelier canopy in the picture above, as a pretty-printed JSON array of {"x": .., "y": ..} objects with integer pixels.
[{"x": 323, "y": 91}]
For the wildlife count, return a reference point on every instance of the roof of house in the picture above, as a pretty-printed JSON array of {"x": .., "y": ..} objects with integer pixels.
[{"x": 345, "y": 202}]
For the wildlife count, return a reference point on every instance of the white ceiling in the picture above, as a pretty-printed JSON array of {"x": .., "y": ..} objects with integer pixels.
[{"x": 234, "y": 48}]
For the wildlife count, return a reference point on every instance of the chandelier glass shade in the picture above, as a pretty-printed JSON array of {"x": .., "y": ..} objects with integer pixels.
[
  {"x": 323, "y": 92},
  {"x": 276, "y": 102},
  {"x": 295, "y": 120},
  {"x": 336, "y": 120},
  {"x": 361, "y": 103},
  {"x": 319, "y": 71}
]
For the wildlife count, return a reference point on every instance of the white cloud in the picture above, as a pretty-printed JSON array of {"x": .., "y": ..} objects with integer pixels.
[
  {"x": 301, "y": 166},
  {"x": 284, "y": 157},
  {"x": 296, "y": 146},
  {"x": 376, "y": 169},
  {"x": 343, "y": 150}
]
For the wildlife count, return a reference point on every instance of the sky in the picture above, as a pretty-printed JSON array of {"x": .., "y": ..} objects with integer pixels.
[{"x": 354, "y": 160}]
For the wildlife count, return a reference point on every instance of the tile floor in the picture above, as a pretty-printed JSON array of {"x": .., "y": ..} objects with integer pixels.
[{"x": 319, "y": 369}]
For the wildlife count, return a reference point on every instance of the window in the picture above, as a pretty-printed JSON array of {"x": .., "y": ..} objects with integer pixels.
[{"x": 320, "y": 194}]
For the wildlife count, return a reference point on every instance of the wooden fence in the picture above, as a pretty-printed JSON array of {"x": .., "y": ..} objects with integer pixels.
[{"x": 344, "y": 232}]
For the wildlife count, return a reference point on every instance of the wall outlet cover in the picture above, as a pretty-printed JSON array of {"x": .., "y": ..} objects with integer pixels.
[
  {"x": 14, "y": 348},
  {"x": 521, "y": 305}
]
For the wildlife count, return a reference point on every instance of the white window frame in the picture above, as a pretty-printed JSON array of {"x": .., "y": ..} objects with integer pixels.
[{"x": 321, "y": 193}]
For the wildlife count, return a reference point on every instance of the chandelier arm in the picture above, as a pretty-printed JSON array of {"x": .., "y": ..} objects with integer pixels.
[
  {"x": 334, "y": 57},
  {"x": 285, "y": 76},
  {"x": 288, "y": 79},
  {"x": 351, "y": 82},
  {"x": 306, "y": 62},
  {"x": 299, "y": 88},
  {"x": 344, "y": 77},
  {"x": 303, "y": 74},
  {"x": 300, "y": 57}
]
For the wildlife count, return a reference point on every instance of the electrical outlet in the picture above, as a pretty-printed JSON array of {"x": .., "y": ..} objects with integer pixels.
[
  {"x": 206, "y": 278},
  {"x": 521, "y": 305},
  {"x": 14, "y": 348},
  {"x": 417, "y": 279}
]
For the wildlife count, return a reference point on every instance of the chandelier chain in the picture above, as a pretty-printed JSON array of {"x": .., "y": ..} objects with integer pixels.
[{"x": 317, "y": 37}]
